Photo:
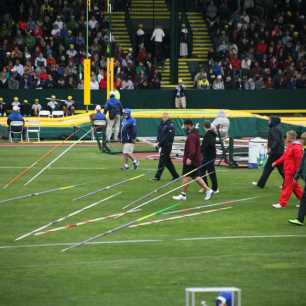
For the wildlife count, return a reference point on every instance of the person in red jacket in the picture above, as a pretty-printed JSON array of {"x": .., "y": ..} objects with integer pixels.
[
  {"x": 192, "y": 162},
  {"x": 291, "y": 160}
]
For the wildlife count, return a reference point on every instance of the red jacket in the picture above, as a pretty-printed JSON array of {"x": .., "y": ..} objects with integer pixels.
[
  {"x": 193, "y": 149},
  {"x": 292, "y": 158}
]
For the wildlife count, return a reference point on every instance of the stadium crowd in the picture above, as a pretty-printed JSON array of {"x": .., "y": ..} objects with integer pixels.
[
  {"x": 42, "y": 45},
  {"x": 255, "y": 47}
]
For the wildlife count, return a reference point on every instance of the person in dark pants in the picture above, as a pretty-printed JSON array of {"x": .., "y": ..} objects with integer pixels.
[
  {"x": 301, "y": 174},
  {"x": 165, "y": 138},
  {"x": 209, "y": 153},
  {"x": 275, "y": 151}
]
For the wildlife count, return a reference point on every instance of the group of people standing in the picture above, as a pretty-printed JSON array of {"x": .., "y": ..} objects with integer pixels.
[
  {"x": 289, "y": 158},
  {"x": 198, "y": 160}
]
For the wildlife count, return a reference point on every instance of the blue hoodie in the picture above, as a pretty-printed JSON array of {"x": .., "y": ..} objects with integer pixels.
[
  {"x": 128, "y": 130},
  {"x": 114, "y": 107}
]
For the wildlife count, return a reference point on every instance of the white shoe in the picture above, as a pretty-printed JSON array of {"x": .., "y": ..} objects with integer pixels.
[
  {"x": 277, "y": 205},
  {"x": 297, "y": 205},
  {"x": 254, "y": 183},
  {"x": 180, "y": 197},
  {"x": 217, "y": 191},
  {"x": 125, "y": 167},
  {"x": 136, "y": 164},
  {"x": 201, "y": 190},
  {"x": 209, "y": 194}
]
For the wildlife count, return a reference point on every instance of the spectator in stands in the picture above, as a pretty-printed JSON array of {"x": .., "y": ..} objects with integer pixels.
[
  {"x": 15, "y": 102},
  {"x": 52, "y": 104},
  {"x": 184, "y": 41},
  {"x": 218, "y": 83},
  {"x": 140, "y": 36},
  {"x": 2, "y": 107},
  {"x": 158, "y": 37},
  {"x": 180, "y": 96},
  {"x": 36, "y": 108}
]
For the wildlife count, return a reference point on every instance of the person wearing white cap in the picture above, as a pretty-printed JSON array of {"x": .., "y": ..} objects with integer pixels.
[
  {"x": 15, "y": 116},
  {"x": 113, "y": 108}
]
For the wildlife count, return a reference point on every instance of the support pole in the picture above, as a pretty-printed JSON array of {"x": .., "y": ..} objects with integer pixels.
[{"x": 174, "y": 42}]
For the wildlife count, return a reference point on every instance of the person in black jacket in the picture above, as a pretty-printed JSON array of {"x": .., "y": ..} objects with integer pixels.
[
  {"x": 209, "y": 153},
  {"x": 165, "y": 138},
  {"x": 275, "y": 150}
]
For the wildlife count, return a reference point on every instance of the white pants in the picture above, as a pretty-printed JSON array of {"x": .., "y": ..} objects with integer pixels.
[
  {"x": 113, "y": 124},
  {"x": 128, "y": 148},
  {"x": 180, "y": 102}
]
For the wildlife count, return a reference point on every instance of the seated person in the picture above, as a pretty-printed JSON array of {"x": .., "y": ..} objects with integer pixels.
[
  {"x": 68, "y": 106},
  {"x": 36, "y": 108},
  {"x": 16, "y": 102},
  {"x": 15, "y": 116},
  {"x": 52, "y": 104}
]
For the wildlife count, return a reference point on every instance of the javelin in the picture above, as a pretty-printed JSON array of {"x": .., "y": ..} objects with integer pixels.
[
  {"x": 179, "y": 217},
  {"x": 210, "y": 205},
  {"x": 123, "y": 226},
  {"x": 85, "y": 222},
  {"x": 29, "y": 195},
  {"x": 165, "y": 185},
  {"x": 44, "y": 156},
  {"x": 66, "y": 217},
  {"x": 109, "y": 187},
  {"x": 56, "y": 159}
]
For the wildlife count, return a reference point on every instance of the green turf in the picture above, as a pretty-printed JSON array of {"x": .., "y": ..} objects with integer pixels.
[{"x": 270, "y": 271}]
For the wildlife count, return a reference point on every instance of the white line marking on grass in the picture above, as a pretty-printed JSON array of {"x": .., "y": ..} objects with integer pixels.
[
  {"x": 54, "y": 168},
  {"x": 42, "y": 245}
]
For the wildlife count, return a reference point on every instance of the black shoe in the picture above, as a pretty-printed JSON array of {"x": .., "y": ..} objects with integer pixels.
[
  {"x": 155, "y": 179},
  {"x": 175, "y": 178}
]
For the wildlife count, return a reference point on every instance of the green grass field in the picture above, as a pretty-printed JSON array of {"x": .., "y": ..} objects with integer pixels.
[{"x": 267, "y": 263}]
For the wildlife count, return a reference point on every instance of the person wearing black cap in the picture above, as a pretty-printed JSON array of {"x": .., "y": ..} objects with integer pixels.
[{"x": 275, "y": 150}]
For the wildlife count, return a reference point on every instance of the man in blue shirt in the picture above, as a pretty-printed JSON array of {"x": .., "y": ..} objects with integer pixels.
[
  {"x": 15, "y": 116},
  {"x": 128, "y": 139},
  {"x": 114, "y": 109}
]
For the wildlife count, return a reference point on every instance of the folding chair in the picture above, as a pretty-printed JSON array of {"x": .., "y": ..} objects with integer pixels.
[
  {"x": 57, "y": 113},
  {"x": 16, "y": 129},
  {"x": 44, "y": 113},
  {"x": 33, "y": 127}
]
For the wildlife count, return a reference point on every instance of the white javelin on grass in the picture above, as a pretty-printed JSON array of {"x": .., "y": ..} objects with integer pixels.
[
  {"x": 180, "y": 217},
  {"x": 66, "y": 217},
  {"x": 210, "y": 205},
  {"x": 123, "y": 226},
  {"x": 56, "y": 158}
]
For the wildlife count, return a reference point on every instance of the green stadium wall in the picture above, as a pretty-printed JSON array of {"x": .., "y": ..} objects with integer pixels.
[{"x": 159, "y": 99}]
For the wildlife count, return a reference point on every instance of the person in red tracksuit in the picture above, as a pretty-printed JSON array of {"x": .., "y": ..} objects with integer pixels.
[{"x": 291, "y": 159}]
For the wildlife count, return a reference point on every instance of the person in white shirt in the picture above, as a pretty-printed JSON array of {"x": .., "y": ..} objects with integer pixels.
[
  {"x": 221, "y": 124},
  {"x": 157, "y": 37},
  {"x": 93, "y": 22},
  {"x": 218, "y": 83},
  {"x": 52, "y": 104},
  {"x": 36, "y": 108},
  {"x": 94, "y": 85},
  {"x": 140, "y": 36},
  {"x": 40, "y": 61},
  {"x": 19, "y": 68},
  {"x": 59, "y": 22}
]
